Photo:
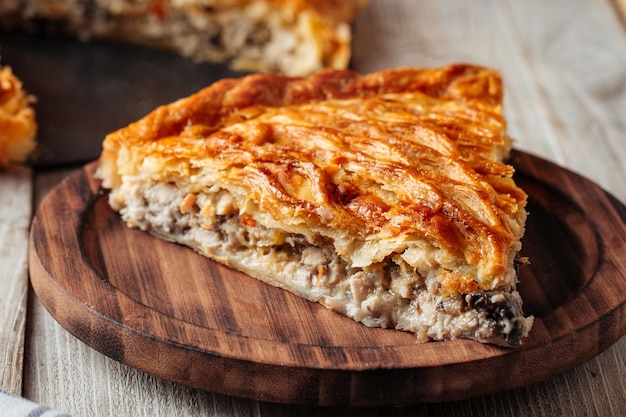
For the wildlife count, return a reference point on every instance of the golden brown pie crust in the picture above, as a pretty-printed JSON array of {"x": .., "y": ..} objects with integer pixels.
[{"x": 403, "y": 166}]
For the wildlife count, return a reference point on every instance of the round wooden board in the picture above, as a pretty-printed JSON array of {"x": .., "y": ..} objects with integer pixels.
[{"x": 168, "y": 311}]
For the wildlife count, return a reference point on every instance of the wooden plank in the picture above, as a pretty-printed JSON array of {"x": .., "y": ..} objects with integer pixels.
[{"x": 15, "y": 213}]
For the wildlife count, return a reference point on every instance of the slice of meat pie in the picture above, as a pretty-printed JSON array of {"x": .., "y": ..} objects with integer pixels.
[
  {"x": 383, "y": 197},
  {"x": 296, "y": 37}
]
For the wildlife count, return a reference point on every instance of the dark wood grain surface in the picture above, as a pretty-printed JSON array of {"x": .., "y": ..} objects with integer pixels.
[{"x": 168, "y": 311}]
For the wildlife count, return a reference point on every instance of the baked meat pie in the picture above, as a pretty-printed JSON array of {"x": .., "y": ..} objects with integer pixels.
[{"x": 383, "y": 197}]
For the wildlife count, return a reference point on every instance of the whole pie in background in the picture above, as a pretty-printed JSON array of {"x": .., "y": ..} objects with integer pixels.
[{"x": 296, "y": 37}]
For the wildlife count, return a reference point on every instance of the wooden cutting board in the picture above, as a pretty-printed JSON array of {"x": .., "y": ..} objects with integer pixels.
[{"x": 168, "y": 311}]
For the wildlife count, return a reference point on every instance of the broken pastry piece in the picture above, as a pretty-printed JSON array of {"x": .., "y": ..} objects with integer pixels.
[
  {"x": 17, "y": 120},
  {"x": 383, "y": 197},
  {"x": 296, "y": 37}
]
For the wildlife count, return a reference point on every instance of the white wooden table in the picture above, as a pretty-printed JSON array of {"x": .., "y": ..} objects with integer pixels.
[{"x": 564, "y": 66}]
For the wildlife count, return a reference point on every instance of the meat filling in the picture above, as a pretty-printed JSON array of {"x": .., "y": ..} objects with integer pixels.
[{"x": 390, "y": 293}]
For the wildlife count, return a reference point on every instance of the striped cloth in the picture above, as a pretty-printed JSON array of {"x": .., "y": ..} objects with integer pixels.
[{"x": 13, "y": 406}]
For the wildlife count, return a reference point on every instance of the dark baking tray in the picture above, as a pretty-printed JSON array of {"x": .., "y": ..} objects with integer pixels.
[{"x": 85, "y": 90}]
